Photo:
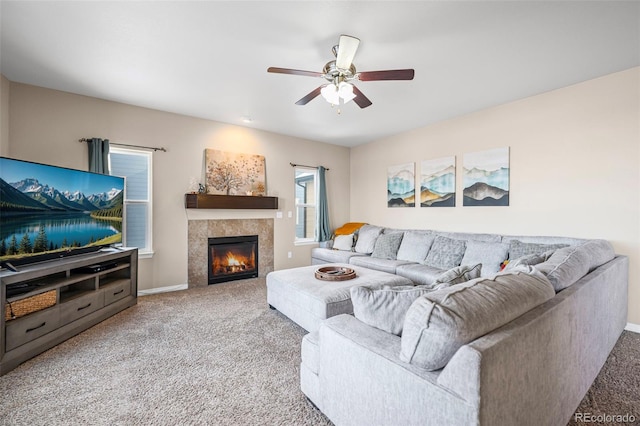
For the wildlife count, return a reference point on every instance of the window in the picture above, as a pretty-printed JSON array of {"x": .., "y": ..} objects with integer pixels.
[
  {"x": 136, "y": 167},
  {"x": 305, "y": 187}
]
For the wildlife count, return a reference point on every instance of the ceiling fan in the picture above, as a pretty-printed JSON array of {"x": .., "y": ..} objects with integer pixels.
[{"x": 341, "y": 72}]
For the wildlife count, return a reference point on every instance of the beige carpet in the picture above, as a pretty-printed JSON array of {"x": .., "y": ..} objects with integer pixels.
[{"x": 211, "y": 356}]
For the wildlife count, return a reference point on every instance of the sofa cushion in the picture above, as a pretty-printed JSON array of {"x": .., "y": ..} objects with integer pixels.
[
  {"x": 387, "y": 245},
  {"x": 418, "y": 273},
  {"x": 386, "y": 307},
  {"x": 367, "y": 236},
  {"x": 445, "y": 252},
  {"x": 385, "y": 265},
  {"x": 567, "y": 265},
  {"x": 491, "y": 255},
  {"x": 457, "y": 275},
  {"x": 414, "y": 246},
  {"x": 518, "y": 249},
  {"x": 343, "y": 242},
  {"x": 325, "y": 255},
  {"x": 471, "y": 236},
  {"x": 440, "y": 322}
]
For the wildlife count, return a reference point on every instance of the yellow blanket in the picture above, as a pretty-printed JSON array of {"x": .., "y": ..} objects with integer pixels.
[{"x": 348, "y": 228}]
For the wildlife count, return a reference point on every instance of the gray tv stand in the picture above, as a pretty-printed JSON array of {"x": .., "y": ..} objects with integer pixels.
[{"x": 83, "y": 299}]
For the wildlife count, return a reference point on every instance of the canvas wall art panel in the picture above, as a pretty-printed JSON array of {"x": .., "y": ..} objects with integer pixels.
[
  {"x": 230, "y": 173},
  {"x": 401, "y": 185},
  {"x": 438, "y": 182},
  {"x": 486, "y": 178}
]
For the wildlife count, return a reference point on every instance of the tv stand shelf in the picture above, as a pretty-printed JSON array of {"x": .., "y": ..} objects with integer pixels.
[{"x": 82, "y": 300}]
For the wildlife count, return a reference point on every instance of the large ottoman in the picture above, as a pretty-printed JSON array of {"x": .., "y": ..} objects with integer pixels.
[{"x": 306, "y": 300}]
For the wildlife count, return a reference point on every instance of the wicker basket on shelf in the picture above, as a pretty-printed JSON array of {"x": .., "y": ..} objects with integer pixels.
[{"x": 28, "y": 305}]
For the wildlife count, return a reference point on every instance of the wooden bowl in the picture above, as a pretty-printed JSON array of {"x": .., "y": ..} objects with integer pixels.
[{"x": 335, "y": 273}]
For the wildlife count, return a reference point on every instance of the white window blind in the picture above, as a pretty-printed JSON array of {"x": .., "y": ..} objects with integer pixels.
[
  {"x": 136, "y": 167},
  {"x": 305, "y": 195}
]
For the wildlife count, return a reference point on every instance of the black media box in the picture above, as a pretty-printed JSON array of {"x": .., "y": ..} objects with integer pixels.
[{"x": 98, "y": 267}]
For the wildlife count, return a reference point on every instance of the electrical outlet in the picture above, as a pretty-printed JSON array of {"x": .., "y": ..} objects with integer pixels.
[
  {"x": 289, "y": 215},
  {"x": 278, "y": 215},
  {"x": 289, "y": 254}
]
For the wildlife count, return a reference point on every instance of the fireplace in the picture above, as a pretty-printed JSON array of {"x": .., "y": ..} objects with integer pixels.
[{"x": 233, "y": 258}]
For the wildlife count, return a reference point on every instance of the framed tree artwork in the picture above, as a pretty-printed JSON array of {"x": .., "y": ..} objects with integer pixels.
[{"x": 230, "y": 173}]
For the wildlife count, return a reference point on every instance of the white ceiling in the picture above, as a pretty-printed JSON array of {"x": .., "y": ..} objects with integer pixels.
[{"x": 209, "y": 59}]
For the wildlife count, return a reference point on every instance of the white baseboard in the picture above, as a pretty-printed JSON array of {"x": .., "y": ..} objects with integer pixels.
[
  {"x": 163, "y": 289},
  {"x": 633, "y": 327}
]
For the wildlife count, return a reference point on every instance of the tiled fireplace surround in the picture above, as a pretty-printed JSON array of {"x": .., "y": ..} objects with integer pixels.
[{"x": 199, "y": 231}]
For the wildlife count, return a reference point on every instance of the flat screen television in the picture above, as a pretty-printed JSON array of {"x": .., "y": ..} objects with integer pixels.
[{"x": 48, "y": 212}]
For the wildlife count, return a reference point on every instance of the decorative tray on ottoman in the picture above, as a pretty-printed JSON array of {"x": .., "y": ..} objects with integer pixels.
[{"x": 335, "y": 273}]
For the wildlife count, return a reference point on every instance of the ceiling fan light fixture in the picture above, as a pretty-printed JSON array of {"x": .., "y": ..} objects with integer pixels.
[
  {"x": 330, "y": 94},
  {"x": 345, "y": 90}
]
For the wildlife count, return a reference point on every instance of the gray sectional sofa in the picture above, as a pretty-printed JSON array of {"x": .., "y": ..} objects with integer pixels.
[{"x": 521, "y": 346}]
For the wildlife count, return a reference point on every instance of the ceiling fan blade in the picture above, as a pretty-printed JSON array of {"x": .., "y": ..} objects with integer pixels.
[
  {"x": 361, "y": 100},
  {"x": 309, "y": 97},
  {"x": 346, "y": 51},
  {"x": 294, "y": 72},
  {"x": 386, "y": 75}
]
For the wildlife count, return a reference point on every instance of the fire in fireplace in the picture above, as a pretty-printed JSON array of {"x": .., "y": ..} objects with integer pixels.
[{"x": 233, "y": 258}]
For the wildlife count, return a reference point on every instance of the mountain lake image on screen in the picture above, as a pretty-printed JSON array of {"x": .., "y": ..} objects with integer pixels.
[{"x": 49, "y": 211}]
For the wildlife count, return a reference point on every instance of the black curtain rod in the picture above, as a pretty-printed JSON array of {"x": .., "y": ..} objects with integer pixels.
[
  {"x": 302, "y": 165},
  {"x": 130, "y": 146}
]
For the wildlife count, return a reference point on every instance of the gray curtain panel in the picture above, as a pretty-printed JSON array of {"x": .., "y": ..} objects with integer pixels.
[
  {"x": 323, "y": 230},
  {"x": 98, "y": 155}
]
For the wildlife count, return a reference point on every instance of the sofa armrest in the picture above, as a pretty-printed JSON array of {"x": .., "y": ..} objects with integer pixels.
[
  {"x": 461, "y": 375},
  {"x": 326, "y": 244}
]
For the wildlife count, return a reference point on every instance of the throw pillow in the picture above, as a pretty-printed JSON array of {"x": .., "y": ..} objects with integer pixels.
[
  {"x": 518, "y": 249},
  {"x": 367, "y": 236},
  {"x": 386, "y": 246},
  {"x": 567, "y": 265},
  {"x": 445, "y": 253},
  {"x": 491, "y": 255},
  {"x": 343, "y": 242},
  {"x": 529, "y": 260},
  {"x": 457, "y": 275},
  {"x": 384, "y": 308},
  {"x": 415, "y": 246},
  {"x": 438, "y": 323}
]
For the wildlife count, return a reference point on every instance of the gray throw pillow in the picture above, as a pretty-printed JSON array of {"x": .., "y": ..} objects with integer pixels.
[
  {"x": 445, "y": 253},
  {"x": 384, "y": 308},
  {"x": 529, "y": 260},
  {"x": 518, "y": 249},
  {"x": 491, "y": 255},
  {"x": 457, "y": 275},
  {"x": 386, "y": 246},
  {"x": 415, "y": 246},
  {"x": 567, "y": 265},
  {"x": 440, "y": 322},
  {"x": 367, "y": 236}
]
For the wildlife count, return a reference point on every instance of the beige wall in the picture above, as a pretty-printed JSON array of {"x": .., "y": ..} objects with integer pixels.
[
  {"x": 45, "y": 126},
  {"x": 5, "y": 86},
  {"x": 575, "y": 165}
]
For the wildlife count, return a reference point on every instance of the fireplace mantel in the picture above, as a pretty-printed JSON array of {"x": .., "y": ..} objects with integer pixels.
[{"x": 209, "y": 201}]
